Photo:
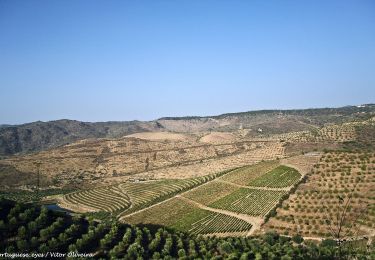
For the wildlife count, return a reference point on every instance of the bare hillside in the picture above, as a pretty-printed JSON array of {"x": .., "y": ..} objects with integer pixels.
[{"x": 38, "y": 136}]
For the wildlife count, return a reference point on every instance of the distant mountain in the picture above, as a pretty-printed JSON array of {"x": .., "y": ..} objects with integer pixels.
[
  {"x": 276, "y": 121},
  {"x": 39, "y": 135},
  {"x": 3, "y": 126}
]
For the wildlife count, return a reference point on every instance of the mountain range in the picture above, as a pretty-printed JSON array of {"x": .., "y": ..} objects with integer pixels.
[{"x": 38, "y": 136}]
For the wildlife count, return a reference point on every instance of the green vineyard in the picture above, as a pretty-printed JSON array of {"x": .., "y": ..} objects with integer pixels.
[
  {"x": 153, "y": 202},
  {"x": 143, "y": 194},
  {"x": 210, "y": 192},
  {"x": 219, "y": 223},
  {"x": 182, "y": 216},
  {"x": 250, "y": 201},
  {"x": 280, "y": 177},
  {"x": 110, "y": 199},
  {"x": 244, "y": 175},
  {"x": 128, "y": 197},
  {"x": 164, "y": 214}
]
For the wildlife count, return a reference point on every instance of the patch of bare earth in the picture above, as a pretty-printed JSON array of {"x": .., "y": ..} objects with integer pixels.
[
  {"x": 218, "y": 137},
  {"x": 157, "y": 136}
]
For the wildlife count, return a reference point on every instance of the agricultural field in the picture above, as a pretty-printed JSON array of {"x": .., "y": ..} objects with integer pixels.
[
  {"x": 147, "y": 193},
  {"x": 210, "y": 192},
  {"x": 303, "y": 163},
  {"x": 339, "y": 179},
  {"x": 110, "y": 199},
  {"x": 268, "y": 174},
  {"x": 165, "y": 213},
  {"x": 207, "y": 222},
  {"x": 183, "y": 216},
  {"x": 245, "y": 175},
  {"x": 279, "y": 177},
  {"x": 124, "y": 198},
  {"x": 229, "y": 202},
  {"x": 223, "y": 197},
  {"x": 339, "y": 133},
  {"x": 250, "y": 201}
]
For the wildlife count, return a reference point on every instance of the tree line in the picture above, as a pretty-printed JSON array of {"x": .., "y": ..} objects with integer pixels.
[{"x": 31, "y": 228}]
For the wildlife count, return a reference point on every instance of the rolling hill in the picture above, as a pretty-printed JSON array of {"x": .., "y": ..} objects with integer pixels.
[{"x": 38, "y": 136}]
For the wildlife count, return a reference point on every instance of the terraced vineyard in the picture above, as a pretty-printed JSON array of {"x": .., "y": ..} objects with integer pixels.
[
  {"x": 219, "y": 223},
  {"x": 244, "y": 175},
  {"x": 210, "y": 192},
  {"x": 250, "y": 201},
  {"x": 166, "y": 213},
  {"x": 128, "y": 197},
  {"x": 207, "y": 205},
  {"x": 110, "y": 199},
  {"x": 280, "y": 177},
  {"x": 183, "y": 216},
  {"x": 147, "y": 193}
]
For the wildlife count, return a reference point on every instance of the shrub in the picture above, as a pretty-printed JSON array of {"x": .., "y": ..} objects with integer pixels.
[{"x": 297, "y": 239}]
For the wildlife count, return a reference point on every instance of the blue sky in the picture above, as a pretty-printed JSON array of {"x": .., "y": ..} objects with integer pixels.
[{"x": 125, "y": 60}]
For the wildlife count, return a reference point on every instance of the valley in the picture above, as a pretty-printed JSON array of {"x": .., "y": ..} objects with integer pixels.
[{"x": 236, "y": 182}]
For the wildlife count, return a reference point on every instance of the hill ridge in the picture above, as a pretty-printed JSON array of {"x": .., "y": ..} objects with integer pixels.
[{"x": 39, "y": 135}]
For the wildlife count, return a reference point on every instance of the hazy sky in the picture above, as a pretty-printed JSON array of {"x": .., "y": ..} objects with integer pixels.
[{"x": 124, "y": 60}]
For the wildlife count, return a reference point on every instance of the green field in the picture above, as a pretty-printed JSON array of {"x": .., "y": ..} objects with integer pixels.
[
  {"x": 134, "y": 202},
  {"x": 217, "y": 223},
  {"x": 128, "y": 197},
  {"x": 110, "y": 199},
  {"x": 210, "y": 192},
  {"x": 279, "y": 177},
  {"x": 165, "y": 214},
  {"x": 244, "y": 175},
  {"x": 183, "y": 216},
  {"x": 249, "y": 201}
]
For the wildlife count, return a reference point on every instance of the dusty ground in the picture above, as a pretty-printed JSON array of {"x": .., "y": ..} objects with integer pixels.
[
  {"x": 218, "y": 137},
  {"x": 156, "y": 136}
]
